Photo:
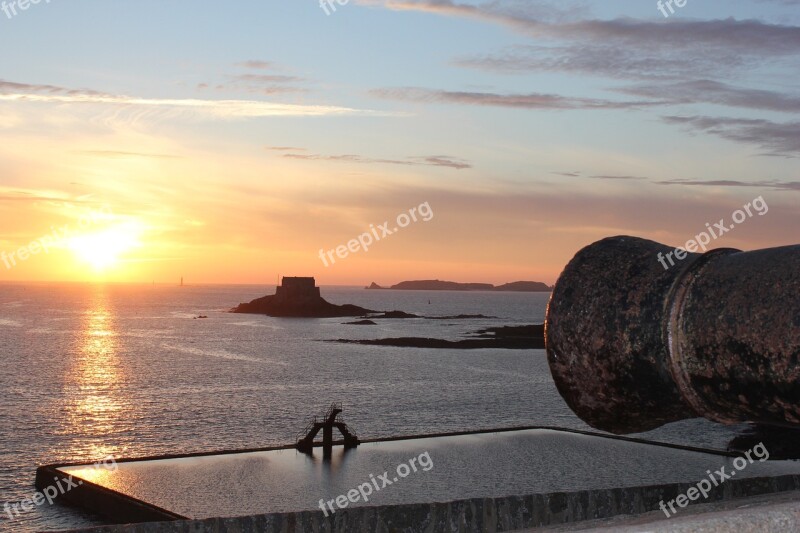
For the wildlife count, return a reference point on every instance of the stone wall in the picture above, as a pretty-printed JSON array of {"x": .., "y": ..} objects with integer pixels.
[{"x": 467, "y": 516}]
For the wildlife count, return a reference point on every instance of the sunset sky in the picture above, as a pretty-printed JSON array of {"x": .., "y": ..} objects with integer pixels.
[{"x": 231, "y": 142}]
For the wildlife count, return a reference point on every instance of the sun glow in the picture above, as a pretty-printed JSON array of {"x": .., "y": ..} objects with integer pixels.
[{"x": 103, "y": 250}]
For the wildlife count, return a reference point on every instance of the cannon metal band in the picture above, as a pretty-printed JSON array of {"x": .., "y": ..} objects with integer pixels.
[{"x": 674, "y": 337}]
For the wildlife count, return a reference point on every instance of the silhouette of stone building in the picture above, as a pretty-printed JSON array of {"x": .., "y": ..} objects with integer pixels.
[{"x": 297, "y": 289}]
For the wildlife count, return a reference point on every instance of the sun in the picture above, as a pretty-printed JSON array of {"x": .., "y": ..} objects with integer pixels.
[{"x": 102, "y": 250}]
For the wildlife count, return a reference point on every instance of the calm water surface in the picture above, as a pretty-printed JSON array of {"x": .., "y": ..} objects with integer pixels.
[{"x": 126, "y": 370}]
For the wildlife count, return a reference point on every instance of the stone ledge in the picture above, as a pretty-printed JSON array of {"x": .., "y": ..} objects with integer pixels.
[{"x": 475, "y": 515}]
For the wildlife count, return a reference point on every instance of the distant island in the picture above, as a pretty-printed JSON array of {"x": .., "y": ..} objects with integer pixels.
[
  {"x": 300, "y": 297},
  {"x": 437, "y": 285}
]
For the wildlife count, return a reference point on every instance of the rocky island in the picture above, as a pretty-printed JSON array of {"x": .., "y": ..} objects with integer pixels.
[
  {"x": 438, "y": 285},
  {"x": 298, "y": 297},
  {"x": 508, "y": 337}
]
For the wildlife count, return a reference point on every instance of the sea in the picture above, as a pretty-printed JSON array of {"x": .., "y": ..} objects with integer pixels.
[{"x": 89, "y": 371}]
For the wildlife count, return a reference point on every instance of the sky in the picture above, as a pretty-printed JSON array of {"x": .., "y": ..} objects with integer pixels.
[{"x": 237, "y": 142}]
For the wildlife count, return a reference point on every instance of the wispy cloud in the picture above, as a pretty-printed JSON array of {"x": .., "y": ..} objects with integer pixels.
[
  {"x": 524, "y": 101},
  {"x": 11, "y": 87},
  {"x": 442, "y": 161},
  {"x": 286, "y": 148},
  {"x": 215, "y": 109},
  {"x": 633, "y": 178},
  {"x": 752, "y": 36},
  {"x": 616, "y": 61},
  {"x": 123, "y": 154},
  {"x": 19, "y": 194},
  {"x": 260, "y": 81},
  {"x": 578, "y": 174},
  {"x": 267, "y": 78},
  {"x": 264, "y": 83},
  {"x": 714, "y": 92},
  {"x": 778, "y": 138},
  {"x": 783, "y": 2},
  {"x": 676, "y": 62},
  {"x": 777, "y": 185},
  {"x": 256, "y": 64},
  {"x": 646, "y": 50},
  {"x": 762, "y": 184},
  {"x": 428, "y": 160}
]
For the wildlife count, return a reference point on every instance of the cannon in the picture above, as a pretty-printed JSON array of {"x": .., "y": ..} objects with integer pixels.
[{"x": 634, "y": 342}]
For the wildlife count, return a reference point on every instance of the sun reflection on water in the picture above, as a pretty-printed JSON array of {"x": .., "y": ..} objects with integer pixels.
[
  {"x": 100, "y": 473},
  {"x": 95, "y": 405}
]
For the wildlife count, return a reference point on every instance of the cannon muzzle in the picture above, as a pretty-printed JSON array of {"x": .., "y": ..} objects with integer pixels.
[{"x": 635, "y": 342}]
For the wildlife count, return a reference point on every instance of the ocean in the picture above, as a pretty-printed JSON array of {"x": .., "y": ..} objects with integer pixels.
[{"x": 124, "y": 370}]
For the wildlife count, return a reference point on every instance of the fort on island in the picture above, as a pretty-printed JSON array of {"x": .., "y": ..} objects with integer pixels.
[
  {"x": 298, "y": 297},
  {"x": 297, "y": 288}
]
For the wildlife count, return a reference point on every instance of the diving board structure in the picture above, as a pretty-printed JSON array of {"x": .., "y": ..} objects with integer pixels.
[{"x": 306, "y": 443}]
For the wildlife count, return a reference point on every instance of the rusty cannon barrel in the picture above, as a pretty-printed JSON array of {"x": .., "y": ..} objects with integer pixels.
[{"x": 639, "y": 335}]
